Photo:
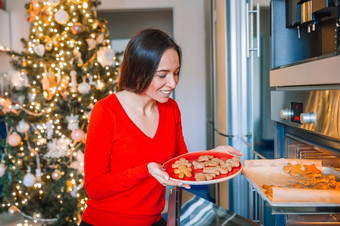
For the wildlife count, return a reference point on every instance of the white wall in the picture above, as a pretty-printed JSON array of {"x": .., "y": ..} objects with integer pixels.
[{"x": 189, "y": 32}]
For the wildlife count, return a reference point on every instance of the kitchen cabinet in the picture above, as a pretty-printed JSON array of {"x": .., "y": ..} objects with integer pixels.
[{"x": 303, "y": 31}]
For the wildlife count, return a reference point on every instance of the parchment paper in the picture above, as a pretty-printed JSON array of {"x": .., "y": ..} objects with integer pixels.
[{"x": 270, "y": 172}]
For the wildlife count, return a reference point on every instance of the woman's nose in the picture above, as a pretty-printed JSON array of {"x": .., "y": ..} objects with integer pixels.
[{"x": 171, "y": 82}]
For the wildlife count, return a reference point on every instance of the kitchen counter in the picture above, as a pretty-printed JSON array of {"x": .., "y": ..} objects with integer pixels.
[{"x": 186, "y": 209}]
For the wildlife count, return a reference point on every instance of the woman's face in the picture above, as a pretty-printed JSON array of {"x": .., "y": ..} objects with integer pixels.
[{"x": 165, "y": 78}]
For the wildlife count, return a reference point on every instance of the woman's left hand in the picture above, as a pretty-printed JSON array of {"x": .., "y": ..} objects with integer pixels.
[{"x": 227, "y": 149}]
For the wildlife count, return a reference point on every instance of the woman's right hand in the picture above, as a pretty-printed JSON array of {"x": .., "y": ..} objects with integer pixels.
[{"x": 159, "y": 174}]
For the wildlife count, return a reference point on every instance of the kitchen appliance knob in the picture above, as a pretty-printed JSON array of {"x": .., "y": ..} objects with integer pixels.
[
  {"x": 286, "y": 114},
  {"x": 308, "y": 118}
]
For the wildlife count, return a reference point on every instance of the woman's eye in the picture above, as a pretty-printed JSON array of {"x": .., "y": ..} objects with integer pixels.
[{"x": 161, "y": 76}]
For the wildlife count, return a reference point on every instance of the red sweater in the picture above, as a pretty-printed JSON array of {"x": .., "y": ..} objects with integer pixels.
[{"x": 117, "y": 181}]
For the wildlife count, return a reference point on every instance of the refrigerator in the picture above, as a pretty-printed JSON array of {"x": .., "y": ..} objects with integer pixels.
[{"x": 235, "y": 44}]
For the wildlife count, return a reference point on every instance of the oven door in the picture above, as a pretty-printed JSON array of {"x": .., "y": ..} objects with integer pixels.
[{"x": 307, "y": 126}]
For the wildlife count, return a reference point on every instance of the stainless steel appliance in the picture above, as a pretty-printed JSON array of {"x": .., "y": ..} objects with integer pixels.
[{"x": 306, "y": 113}]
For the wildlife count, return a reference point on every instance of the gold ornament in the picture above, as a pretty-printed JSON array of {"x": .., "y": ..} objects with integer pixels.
[
  {"x": 56, "y": 174},
  {"x": 77, "y": 28},
  {"x": 12, "y": 210},
  {"x": 69, "y": 186}
]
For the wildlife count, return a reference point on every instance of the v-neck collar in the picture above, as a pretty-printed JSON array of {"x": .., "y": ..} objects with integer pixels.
[{"x": 134, "y": 125}]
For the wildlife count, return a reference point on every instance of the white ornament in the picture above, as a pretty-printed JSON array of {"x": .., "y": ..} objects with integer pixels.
[
  {"x": 18, "y": 79},
  {"x": 77, "y": 135},
  {"x": 29, "y": 178},
  {"x": 56, "y": 174},
  {"x": 21, "y": 99},
  {"x": 77, "y": 55},
  {"x": 105, "y": 56},
  {"x": 61, "y": 17},
  {"x": 39, "y": 49},
  {"x": 84, "y": 87},
  {"x": 58, "y": 148},
  {"x": 49, "y": 129},
  {"x": 91, "y": 43},
  {"x": 13, "y": 139},
  {"x": 22, "y": 126},
  {"x": 100, "y": 38},
  {"x": 2, "y": 169},
  {"x": 73, "y": 75},
  {"x": 74, "y": 191},
  {"x": 54, "y": 2},
  {"x": 91, "y": 82},
  {"x": 72, "y": 122},
  {"x": 79, "y": 163},
  {"x": 38, "y": 174}
]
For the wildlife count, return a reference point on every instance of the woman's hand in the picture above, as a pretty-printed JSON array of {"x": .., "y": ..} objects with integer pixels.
[
  {"x": 227, "y": 149},
  {"x": 157, "y": 172}
]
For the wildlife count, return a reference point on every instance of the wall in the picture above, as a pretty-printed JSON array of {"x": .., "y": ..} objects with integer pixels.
[{"x": 189, "y": 32}]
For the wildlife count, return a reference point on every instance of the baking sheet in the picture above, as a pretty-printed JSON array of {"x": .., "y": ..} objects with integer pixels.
[{"x": 270, "y": 172}]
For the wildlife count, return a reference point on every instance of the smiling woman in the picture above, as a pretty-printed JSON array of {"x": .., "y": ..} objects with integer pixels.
[
  {"x": 132, "y": 132},
  {"x": 141, "y": 124}
]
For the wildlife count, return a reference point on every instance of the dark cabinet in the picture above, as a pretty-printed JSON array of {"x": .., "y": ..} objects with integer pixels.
[{"x": 304, "y": 30}]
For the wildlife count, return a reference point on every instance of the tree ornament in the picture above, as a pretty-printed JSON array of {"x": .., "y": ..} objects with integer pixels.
[
  {"x": 91, "y": 43},
  {"x": 73, "y": 193},
  {"x": 91, "y": 82},
  {"x": 69, "y": 185},
  {"x": 79, "y": 163},
  {"x": 56, "y": 174},
  {"x": 34, "y": 10},
  {"x": 100, "y": 39},
  {"x": 77, "y": 135},
  {"x": 39, "y": 50},
  {"x": 22, "y": 126},
  {"x": 49, "y": 45},
  {"x": 58, "y": 147},
  {"x": 29, "y": 178},
  {"x": 77, "y": 55},
  {"x": 62, "y": 86},
  {"x": 84, "y": 87},
  {"x": 73, "y": 121},
  {"x": 49, "y": 129},
  {"x": 21, "y": 99},
  {"x": 12, "y": 210},
  {"x": 13, "y": 139},
  {"x": 38, "y": 174},
  {"x": 61, "y": 17},
  {"x": 2, "y": 169},
  {"x": 77, "y": 28},
  {"x": 73, "y": 75},
  {"x": 5, "y": 104},
  {"x": 17, "y": 78},
  {"x": 105, "y": 56},
  {"x": 54, "y": 2},
  {"x": 45, "y": 83}
]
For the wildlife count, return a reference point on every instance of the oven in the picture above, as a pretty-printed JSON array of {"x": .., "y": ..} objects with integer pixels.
[{"x": 307, "y": 126}]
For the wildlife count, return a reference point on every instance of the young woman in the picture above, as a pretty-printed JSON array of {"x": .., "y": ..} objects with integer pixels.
[{"x": 132, "y": 132}]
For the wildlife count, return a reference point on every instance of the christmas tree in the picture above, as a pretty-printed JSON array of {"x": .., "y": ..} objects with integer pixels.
[{"x": 66, "y": 67}]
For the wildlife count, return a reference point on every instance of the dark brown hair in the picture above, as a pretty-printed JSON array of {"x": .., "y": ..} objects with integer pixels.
[{"x": 141, "y": 58}]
